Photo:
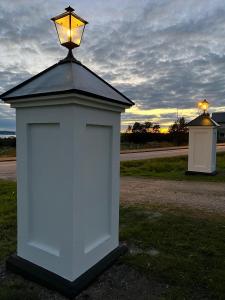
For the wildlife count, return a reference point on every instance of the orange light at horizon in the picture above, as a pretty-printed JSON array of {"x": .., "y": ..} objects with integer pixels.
[{"x": 164, "y": 130}]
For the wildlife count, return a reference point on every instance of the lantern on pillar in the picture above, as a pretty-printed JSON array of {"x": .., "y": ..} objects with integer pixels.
[
  {"x": 70, "y": 29},
  {"x": 202, "y": 143},
  {"x": 203, "y": 106}
]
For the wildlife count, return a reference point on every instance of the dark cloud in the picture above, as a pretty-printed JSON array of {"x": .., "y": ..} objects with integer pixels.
[
  {"x": 160, "y": 53},
  {"x": 177, "y": 58}
]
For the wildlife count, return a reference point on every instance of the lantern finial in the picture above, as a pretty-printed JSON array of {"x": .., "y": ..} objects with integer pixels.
[{"x": 69, "y": 9}]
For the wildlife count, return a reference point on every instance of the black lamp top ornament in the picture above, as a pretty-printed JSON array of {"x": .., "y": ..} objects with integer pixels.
[{"x": 69, "y": 9}]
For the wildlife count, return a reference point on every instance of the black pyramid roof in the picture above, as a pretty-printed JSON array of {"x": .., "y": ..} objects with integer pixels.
[
  {"x": 203, "y": 120},
  {"x": 63, "y": 78}
]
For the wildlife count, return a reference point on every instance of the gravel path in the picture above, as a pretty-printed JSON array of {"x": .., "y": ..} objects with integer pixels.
[{"x": 207, "y": 196}]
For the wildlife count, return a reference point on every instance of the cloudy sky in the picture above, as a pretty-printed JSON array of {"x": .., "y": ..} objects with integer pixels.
[{"x": 163, "y": 54}]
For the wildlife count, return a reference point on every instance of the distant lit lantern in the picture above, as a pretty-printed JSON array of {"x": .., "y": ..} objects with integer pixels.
[
  {"x": 203, "y": 105},
  {"x": 70, "y": 28}
]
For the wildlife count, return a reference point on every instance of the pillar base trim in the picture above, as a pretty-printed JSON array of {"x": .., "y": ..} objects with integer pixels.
[
  {"x": 200, "y": 173},
  {"x": 55, "y": 282}
]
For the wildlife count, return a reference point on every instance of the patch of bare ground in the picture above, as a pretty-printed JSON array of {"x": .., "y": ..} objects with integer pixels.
[
  {"x": 123, "y": 282},
  {"x": 208, "y": 197},
  {"x": 120, "y": 282}
]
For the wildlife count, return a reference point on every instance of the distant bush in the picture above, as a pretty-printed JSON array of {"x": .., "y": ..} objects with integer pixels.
[
  {"x": 8, "y": 142},
  {"x": 176, "y": 138}
]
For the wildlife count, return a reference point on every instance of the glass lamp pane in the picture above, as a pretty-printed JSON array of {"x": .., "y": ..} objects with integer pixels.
[
  {"x": 63, "y": 28},
  {"x": 77, "y": 28}
]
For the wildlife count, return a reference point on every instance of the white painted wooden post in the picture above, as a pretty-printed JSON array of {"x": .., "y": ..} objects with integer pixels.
[
  {"x": 68, "y": 157},
  {"x": 202, "y": 145}
]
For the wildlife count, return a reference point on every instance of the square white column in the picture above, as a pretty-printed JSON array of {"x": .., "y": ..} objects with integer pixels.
[
  {"x": 68, "y": 158},
  {"x": 202, "y": 149}
]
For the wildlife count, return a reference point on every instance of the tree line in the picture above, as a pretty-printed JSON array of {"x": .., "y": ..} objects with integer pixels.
[
  {"x": 143, "y": 127},
  {"x": 141, "y": 133},
  {"x": 8, "y": 142}
]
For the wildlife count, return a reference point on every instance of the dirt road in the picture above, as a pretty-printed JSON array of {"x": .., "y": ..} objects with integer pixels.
[
  {"x": 8, "y": 170},
  {"x": 169, "y": 152},
  {"x": 206, "y": 196}
]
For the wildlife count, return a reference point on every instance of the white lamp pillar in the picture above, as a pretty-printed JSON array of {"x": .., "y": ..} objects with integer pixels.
[
  {"x": 68, "y": 159},
  {"x": 202, "y": 145},
  {"x": 68, "y": 173}
]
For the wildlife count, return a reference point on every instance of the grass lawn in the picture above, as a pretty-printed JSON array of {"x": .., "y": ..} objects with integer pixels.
[
  {"x": 151, "y": 145},
  {"x": 7, "y": 151},
  {"x": 7, "y": 218},
  {"x": 172, "y": 168},
  {"x": 178, "y": 247}
]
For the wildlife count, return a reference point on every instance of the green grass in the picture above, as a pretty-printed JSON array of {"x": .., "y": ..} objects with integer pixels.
[
  {"x": 181, "y": 248},
  {"x": 172, "y": 168},
  {"x": 190, "y": 257},
  {"x": 154, "y": 144},
  {"x": 7, "y": 152},
  {"x": 7, "y": 218},
  {"x": 17, "y": 289},
  {"x": 12, "y": 288}
]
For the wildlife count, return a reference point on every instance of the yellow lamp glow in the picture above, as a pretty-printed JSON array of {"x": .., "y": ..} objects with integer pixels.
[
  {"x": 70, "y": 28},
  {"x": 203, "y": 105}
]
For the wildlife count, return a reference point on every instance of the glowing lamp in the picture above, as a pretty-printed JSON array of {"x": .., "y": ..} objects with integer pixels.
[
  {"x": 70, "y": 28},
  {"x": 203, "y": 105}
]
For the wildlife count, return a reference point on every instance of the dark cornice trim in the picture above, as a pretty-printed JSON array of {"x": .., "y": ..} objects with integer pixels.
[{"x": 66, "y": 92}]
